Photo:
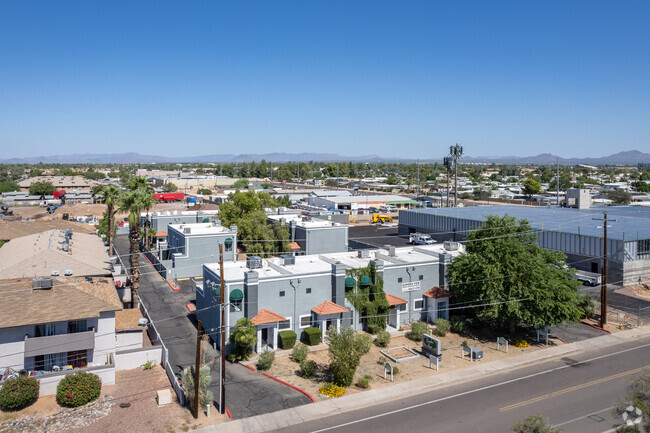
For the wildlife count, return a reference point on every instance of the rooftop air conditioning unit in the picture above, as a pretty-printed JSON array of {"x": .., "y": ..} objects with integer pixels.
[
  {"x": 65, "y": 246},
  {"x": 42, "y": 283},
  {"x": 288, "y": 259},
  {"x": 187, "y": 230},
  {"x": 390, "y": 249},
  {"x": 254, "y": 262},
  {"x": 450, "y": 246},
  {"x": 364, "y": 254}
]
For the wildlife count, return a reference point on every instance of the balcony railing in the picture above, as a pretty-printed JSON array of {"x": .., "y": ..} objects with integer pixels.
[{"x": 59, "y": 343}]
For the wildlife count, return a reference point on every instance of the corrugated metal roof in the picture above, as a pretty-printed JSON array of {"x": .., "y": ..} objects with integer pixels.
[{"x": 631, "y": 221}]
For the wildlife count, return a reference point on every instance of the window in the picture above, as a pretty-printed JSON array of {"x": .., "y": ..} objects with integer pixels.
[
  {"x": 400, "y": 307},
  {"x": 399, "y": 280},
  {"x": 77, "y": 326},
  {"x": 281, "y": 293},
  {"x": 421, "y": 277},
  {"x": 418, "y": 304},
  {"x": 48, "y": 361},
  {"x": 285, "y": 325},
  {"x": 44, "y": 330},
  {"x": 308, "y": 290},
  {"x": 305, "y": 320}
]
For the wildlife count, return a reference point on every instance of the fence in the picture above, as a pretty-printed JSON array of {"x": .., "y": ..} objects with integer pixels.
[
  {"x": 630, "y": 316},
  {"x": 154, "y": 336}
]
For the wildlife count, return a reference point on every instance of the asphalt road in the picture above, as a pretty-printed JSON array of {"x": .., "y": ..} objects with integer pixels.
[
  {"x": 575, "y": 393},
  {"x": 248, "y": 393}
]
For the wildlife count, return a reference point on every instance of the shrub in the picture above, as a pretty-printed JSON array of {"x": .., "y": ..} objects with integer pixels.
[
  {"x": 587, "y": 305},
  {"x": 244, "y": 335},
  {"x": 188, "y": 377},
  {"x": 534, "y": 424},
  {"x": 381, "y": 360},
  {"x": 442, "y": 327},
  {"x": 18, "y": 393},
  {"x": 331, "y": 390},
  {"x": 458, "y": 324},
  {"x": 149, "y": 365},
  {"x": 313, "y": 335},
  {"x": 287, "y": 339},
  {"x": 78, "y": 389},
  {"x": 520, "y": 342},
  {"x": 383, "y": 339},
  {"x": 308, "y": 368},
  {"x": 346, "y": 349},
  {"x": 300, "y": 353},
  {"x": 364, "y": 382},
  {"x": 417, "y": 330},
  {"x": 373, "y": 328},
  {"x": 395, "y": 369},
  {"x": 266, "y": 360}
]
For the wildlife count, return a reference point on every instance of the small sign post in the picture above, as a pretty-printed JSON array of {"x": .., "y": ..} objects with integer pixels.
[
  {"x": 502, "y": 341},
  {"x": 433, "y": 360},
  {"x": 388, "y": 367},
  {"x": 466, "y": 349}
]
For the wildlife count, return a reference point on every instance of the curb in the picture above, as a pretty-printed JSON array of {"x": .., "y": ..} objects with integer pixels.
[
  {"x": 291, "y": 386},
  {"x": 172, "y": 285},
  {"x": 250, "y": 367},
  {"x": 597, "y": 327}
]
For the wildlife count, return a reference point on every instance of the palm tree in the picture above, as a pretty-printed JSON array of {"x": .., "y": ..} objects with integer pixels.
[
  {"x": 456, "y": 153},
  {"x": 134, "y": 202},
  {"x": 188, "y": 377},
  {"x": 111, "y": 195}
]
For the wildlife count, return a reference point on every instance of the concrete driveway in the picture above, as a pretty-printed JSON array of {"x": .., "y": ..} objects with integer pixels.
[{"x": 248, "y": 393}]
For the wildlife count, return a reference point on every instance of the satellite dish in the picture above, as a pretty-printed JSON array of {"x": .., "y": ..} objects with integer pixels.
[{"x": 143, "y": 321}]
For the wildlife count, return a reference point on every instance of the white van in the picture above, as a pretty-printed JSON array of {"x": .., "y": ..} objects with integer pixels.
[{"x": 388, "y": 208}]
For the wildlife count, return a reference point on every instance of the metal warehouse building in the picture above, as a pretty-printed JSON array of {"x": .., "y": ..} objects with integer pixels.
[{"x": 574, "y": 232}]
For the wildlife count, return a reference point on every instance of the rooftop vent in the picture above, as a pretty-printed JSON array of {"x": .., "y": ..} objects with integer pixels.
[
  {"x": 254, "y": 262},
  {"x": 288, "y": 259},
  {"x": 65, "y": 246},
  {"x": 450, "y": 246},
  {"x": 364, "y": 254},
  {"x": 390, "y": 249},
  {"x": 42, "y": 283},
  {"x": 187, "y": 230}
]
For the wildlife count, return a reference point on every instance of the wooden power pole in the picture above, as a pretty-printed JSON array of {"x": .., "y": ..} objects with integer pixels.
[
  {"x": 222, "y": 388},
  {"x": 197, "y": 367},
  {"x": 603, "y": 282}
]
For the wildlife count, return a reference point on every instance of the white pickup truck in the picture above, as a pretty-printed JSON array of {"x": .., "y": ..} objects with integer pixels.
[
  {"x": 589, "y": 278},
  {"x": 420, "y": 239}
]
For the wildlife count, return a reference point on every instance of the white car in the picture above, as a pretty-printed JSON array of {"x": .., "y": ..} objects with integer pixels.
[
  {"x": 55, "y": 273},
  {"x": 68, "y": 272}
]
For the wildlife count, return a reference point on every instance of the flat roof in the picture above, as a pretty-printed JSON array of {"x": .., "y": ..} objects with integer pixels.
[
  {"x": 200, "y": 229},
  {"x": 298, "y": 219},
  {"x": 632, "y": 222},
  {"x": 314, "y": 264},
  {"x": 368, "y": 198}
]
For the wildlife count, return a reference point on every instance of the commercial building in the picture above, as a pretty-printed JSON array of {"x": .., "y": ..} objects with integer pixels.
[
  {"x": 578, "y": 233},
  {"x": 61, "y": 182},
  {"x": 358, "y": 202},
  {"x": 160, "y": 220},
  {"x": 189, "y": 246},
  {"x": 294, "y": 292},
  {"x": 315, "y": 236}
]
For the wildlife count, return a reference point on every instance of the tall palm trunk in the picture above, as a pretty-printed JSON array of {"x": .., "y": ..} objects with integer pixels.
[
  {"x": 111, "y": 224},
  {"x": 134, "y": 259},
  {"x": 456, "y": 183}
]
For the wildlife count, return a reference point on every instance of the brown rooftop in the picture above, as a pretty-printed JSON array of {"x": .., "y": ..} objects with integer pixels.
[
  {"x": 69, "y": 298},
  {"x": 266, "y": 316},
  {"x": 16, "y": 229},
  {"x": 127, "y": 319},
  {"x": 394, "y": 300},
  {"x": 329, "y": 307}
]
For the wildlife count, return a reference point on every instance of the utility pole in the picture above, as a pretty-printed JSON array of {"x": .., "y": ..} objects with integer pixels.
[
  {"x": 557, "y": 183},
  {"x": 446, "y": 161},
  {"x": 197, "y": 367},
  {"x": 603, "y": 282},
  {"x": 222, "y": 387}
]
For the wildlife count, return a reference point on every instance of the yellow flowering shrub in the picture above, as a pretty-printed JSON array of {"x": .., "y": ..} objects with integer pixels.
[
  {"x": 331, "y": 390},
  {"x": 521, "y": 343}
]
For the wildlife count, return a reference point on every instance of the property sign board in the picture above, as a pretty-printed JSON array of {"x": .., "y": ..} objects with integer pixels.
[
  {"x": 431, "y": 345},
  {"x": 413, "y": 286}
]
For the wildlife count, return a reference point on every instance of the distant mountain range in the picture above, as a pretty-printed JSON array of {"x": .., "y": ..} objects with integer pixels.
[{"x": 626, "y": 157}]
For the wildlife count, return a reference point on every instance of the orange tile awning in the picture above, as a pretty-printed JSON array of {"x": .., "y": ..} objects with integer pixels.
[
  {"x": 294, "y": 246},
  {"x": 161, "y": 234},
  {"x": 266, "y": 316},
  {"x": 329, "y": 307},
  {"x": 437, "y": 293},
  {"x": 394, "y": 300}
]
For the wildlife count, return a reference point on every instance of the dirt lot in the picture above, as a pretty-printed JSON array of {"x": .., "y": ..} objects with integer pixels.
[
  {"x": 287, "y": 370},
  {"x": 78, "y": 209},
  {"x": 137, "y": 387}
]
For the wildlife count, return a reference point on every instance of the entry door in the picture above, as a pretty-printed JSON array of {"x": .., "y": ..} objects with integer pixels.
[
  {"x": 265, "y": 336},
  {"x": 329, "y": 323},
  {"x": 442, "y": 310}
]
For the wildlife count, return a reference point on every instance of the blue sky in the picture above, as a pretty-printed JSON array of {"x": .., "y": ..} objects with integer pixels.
[{"x": 400, "y": 79}]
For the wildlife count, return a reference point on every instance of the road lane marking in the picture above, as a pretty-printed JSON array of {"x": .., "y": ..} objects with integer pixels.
[
  {"x": 573, "y": 388},
  {"x": 472, "y": 391},
  {"x": 583, "y": 417}
]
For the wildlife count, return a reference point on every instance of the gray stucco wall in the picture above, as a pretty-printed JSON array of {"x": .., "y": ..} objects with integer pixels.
[{"x": 189, "y": 253}]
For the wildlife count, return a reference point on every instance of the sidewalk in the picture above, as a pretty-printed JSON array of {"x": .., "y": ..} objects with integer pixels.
[{"x": 284, "y": 418}]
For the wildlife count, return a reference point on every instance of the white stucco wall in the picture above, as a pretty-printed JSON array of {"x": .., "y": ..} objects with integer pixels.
[
  {"x": 12, "y": 347},
  {"x": 130, "y": 359},
  {"x": 104, "y": 338},
  {"x": 128, "y": 339}
]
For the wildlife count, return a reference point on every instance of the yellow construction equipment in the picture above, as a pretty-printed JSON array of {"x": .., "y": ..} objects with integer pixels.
[{"x": 378, "y": 218}]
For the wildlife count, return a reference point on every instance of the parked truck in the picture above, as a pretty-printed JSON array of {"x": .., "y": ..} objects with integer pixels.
[
  {"x": 420, "y": 239},
  {"x": 588, "y": 278},
  {"x": 165, "y": 197}
]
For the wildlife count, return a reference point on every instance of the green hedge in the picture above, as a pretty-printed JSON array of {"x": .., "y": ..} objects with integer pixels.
[
  {"x": 18, "y": 393},
  {"x": 78, "y": 389},
  {"x": 312, "y": 336},
  {"x": 287, "y": 339}
]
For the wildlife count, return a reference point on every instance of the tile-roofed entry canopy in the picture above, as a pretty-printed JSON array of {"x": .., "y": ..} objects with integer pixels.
[
  {"x": 266, "y": 316},
  {"x": 394, "y": 300},
  {"x": 329, "y": 307},
  {"x": 437, "y": 293}
]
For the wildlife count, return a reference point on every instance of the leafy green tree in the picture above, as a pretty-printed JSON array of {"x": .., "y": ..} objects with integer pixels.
[
  {"x": 41, "y": 188},
  {"x": 522, "y": 283},
  {"x": 531, "y": 187},
  {"x": 188, "y": 377},
  {"x": 641, "y": 186},
  {"x": 619, "y": 196},
  {"x": 94, "y": 175},
  {"x": 35, "y": 172},
  {"x": 534, "y": 424},
  {"x": 240, "y": 184},
  {"x": 392, "y": 180},
  {"x": 244, "y": 337},
  {"x": 331, "y": 183},
  {"x": 9, "y": 186},
  {"x": 170, "y": 187},
  {"x": 345, "y": 350}
]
